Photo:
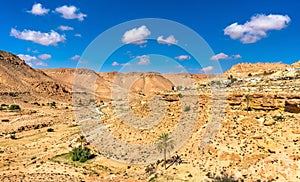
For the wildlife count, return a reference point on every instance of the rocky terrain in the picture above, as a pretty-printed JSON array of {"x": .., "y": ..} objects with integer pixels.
[{"x": 237, "y": 130}]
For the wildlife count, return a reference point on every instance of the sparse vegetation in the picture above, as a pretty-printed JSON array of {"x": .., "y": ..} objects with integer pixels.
[
  {"x": 50, "y": 130},
  {"x": 187, "y": 108},
  {"x": 14, "y": 107},
  {"x": 13, "y": 136},
  {"x": 180, "y": 95},
  {"x": 278, "y": 118},
  {"x": 53, "y": 104}
]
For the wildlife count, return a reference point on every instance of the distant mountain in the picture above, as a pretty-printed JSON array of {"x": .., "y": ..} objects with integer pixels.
[{"x": 246, "y": 69}]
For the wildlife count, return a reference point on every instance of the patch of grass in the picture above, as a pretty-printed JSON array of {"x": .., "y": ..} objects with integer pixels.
[{"x": 187, "y": 108}]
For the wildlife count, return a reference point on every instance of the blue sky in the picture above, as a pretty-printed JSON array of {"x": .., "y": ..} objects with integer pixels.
[{"x": 51, "y": 34}]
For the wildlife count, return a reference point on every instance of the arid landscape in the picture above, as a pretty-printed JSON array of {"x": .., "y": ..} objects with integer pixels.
[{"x": 249, "y": 132}]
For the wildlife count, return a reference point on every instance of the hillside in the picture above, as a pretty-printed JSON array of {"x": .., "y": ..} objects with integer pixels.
[{"x": 18, "y": 78}]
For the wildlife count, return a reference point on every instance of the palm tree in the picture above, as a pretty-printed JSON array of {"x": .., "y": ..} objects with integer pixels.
[
  {"x": 248, "y": 99},
  {"x": 165, "y": 144},
  {"x": 82, "y": 140}
]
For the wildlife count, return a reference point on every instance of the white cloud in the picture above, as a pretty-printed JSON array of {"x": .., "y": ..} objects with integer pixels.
[
  {"x": 183, "y": 57},
  {"x": 70, "y": 12},
  {"x": 207, "y": 69},
  {"x": 179, "y": 67},
  {"x": 223, "y": 56},
  {"x": 31, "y": 60},
  {"x": 115, "y": 63},
  {"x": 237, "y": 56},
  {"x": 169, "y": 40},
  {"x": 144, "y": 60},
  {"x": 257, "y": 27},
  {"x": 126, "y": 64},
  {"x": 46, "y": 39},
  {"x": 219, "y": 56},
  {"x": 75, "y": 57},
  {"x": 37, "y": 9},
  {"x": 136, "y": 35},
  {"x": 65, "y": 28},
  {"x": 45, "y": 56},
  {"x": 77, "y": 35}
]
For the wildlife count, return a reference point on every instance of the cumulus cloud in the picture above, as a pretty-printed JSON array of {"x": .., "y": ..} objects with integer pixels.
[
  {"x": 37, "y": 9},
  {"x": 65, "y": 28},
  {"x": 70, "y": 12},
  {"x": 115, "y": 63},
  {"x": 237, "y": 56},
  {"x": 169, "y": 40},
  {"x": 183, "y": 57},
  {"x": 207, "y": 69},
  {"x": 143, "y": 60},
  {"x": 31, "y": 60},
  {"x": 257, "y": 27},
  {"x": 46, "y": 39},
  {"x": 45, "y": 56},
  {"x": 136, "y": 35},
  {"x": 223, "y": 56},
  {"x": 75, "y": 57}
]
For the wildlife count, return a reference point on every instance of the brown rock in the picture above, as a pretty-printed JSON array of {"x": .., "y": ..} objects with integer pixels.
[{"x": 292, "y": 106}]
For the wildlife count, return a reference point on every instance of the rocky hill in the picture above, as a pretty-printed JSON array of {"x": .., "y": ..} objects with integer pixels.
[
  {"x": 296, "y": 64},
  {"x": 18, "y": 78}
]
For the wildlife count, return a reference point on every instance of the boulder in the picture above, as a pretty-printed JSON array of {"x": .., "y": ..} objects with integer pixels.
[{"x": 292, "y": 105}]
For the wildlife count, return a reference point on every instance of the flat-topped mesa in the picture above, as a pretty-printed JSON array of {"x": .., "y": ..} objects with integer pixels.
[{"x": 243, "y": 70}]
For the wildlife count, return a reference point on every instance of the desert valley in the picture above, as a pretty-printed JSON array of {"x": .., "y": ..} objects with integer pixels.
[{"x": 244, "y": 124}]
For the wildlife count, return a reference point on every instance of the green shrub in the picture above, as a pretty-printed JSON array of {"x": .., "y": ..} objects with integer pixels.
[
  {"x": 278, "y": 118},
  {"x": 81, "y": 154},
  {"x": 187, "y": 108},
  {"x": 14, "y": 107},
  {"x": 13, "y": 136},
  {"x": 50, "y": 130},
  {"x": 53, "y": 104}
]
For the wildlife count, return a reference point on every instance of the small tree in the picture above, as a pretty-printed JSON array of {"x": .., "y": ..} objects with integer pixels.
[
  {"x": 165, "y": 144},
  {"x": 82, "y": 140}
]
